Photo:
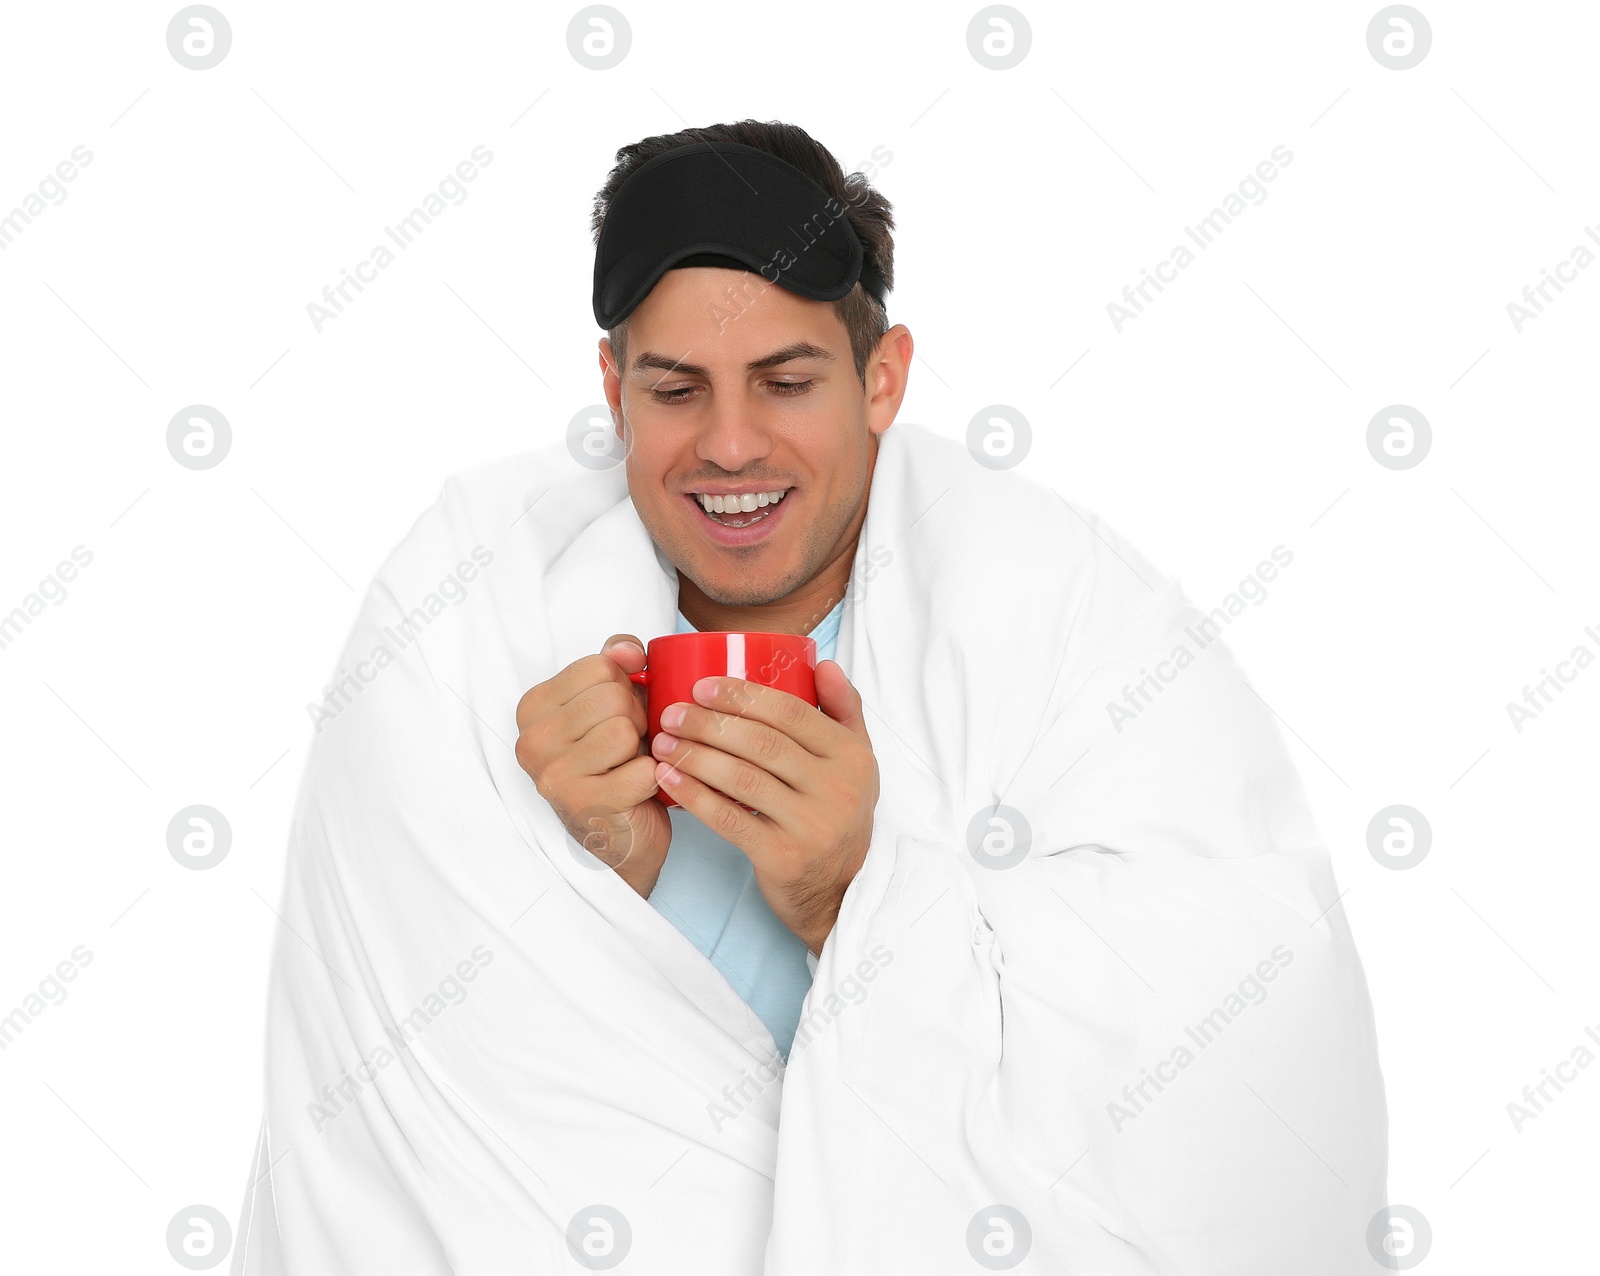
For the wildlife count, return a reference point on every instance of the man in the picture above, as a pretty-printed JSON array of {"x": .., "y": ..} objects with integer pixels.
[
  {"x": 730, "y": 385},
  {"x": 1044, "y": 967}
]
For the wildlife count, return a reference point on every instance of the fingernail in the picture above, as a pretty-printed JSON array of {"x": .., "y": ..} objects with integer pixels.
[{"x": 672, "y": 716}]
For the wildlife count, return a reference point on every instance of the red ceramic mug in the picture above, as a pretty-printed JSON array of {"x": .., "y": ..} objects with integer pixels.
[{"x": 675, "y": 662}]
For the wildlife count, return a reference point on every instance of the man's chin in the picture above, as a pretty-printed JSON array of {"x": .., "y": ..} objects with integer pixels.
[
  {"x": 728, "y": 594},
  {"x": 717, "y": 574},
  {"x": 729, "y": 587}
]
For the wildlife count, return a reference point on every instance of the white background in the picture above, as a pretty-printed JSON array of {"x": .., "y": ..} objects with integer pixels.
[{"x": 1228, "y": 418}]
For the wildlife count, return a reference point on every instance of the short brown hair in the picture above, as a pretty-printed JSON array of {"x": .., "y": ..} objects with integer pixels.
[{"x": 869, "y": 213}]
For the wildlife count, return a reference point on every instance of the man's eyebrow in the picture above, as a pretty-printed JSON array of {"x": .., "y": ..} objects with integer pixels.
[{"x": 789, "y": 353}]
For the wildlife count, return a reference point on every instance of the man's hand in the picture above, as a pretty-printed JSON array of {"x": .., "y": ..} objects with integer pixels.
[
  {"x": 811, "y": 777},
  {"x": 581, "y": 739}
]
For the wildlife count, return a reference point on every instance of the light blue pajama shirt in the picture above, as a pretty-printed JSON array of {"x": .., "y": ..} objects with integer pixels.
[{"x": 708, "y": 890}]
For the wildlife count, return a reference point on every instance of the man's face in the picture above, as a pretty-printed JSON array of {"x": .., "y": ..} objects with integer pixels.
[{"x": 751, "y": 390}]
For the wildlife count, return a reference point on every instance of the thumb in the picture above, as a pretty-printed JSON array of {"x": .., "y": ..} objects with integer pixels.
[
  {"x": 838, "y": 698},
  {"x": 626, "y": 650}
]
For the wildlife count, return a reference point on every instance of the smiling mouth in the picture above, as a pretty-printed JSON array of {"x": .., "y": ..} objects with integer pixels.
[{"x": 734, "y": 512}]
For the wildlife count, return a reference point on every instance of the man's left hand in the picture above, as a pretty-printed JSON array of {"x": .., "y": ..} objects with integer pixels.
[{"x": 811, "y": 777}]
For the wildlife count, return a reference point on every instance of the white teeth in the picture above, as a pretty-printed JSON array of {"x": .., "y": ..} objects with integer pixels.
[{"x": 745, "y": 503}]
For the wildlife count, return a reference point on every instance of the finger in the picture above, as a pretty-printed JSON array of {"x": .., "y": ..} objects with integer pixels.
[
  {"x": 592, "y": 706},
  {"x": 723, "y": 817},
  {"x": 626, "y": 650},
  {"x": 839, "y": 699},
  {"x": 627, "y": 654},
  {"x": 767, "y": 748},
  {"x": 620, "y": 789},
  {"x": 605, "y": 746},
  {"x": 799, "y": 721},
  {"x": 580, "y": 675},
  {"x": 745, "y": 783},
  {"x": 632, "y": 782}
]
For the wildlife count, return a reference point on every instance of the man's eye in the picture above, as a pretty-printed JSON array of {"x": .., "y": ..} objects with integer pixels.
[{"x": 682, "y": 393}]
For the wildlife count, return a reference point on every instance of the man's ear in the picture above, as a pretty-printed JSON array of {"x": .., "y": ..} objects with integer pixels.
[
  {"x": 887, "y": 374},
  {"x": 611, "y": 383}
]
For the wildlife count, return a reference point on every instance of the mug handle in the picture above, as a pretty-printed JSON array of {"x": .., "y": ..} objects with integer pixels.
[{"x": 642, "y": 677}]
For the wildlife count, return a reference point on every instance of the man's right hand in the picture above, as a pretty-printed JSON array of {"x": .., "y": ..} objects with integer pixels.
[{"x": 581, "y": 739}]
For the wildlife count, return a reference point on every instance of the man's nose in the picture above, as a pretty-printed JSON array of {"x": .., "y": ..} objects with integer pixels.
[{"x": 733, "y": 435}]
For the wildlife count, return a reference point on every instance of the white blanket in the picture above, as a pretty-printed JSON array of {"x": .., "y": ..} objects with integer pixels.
[{"x": 1145, "y": 1045}]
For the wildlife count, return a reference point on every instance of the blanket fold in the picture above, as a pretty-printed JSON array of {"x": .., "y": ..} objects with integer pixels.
[{"x": 1089, "y": 1006}]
